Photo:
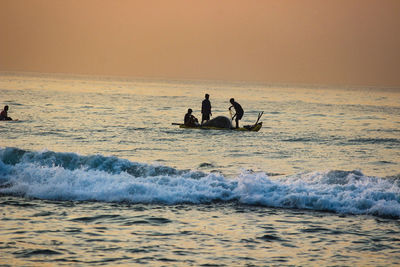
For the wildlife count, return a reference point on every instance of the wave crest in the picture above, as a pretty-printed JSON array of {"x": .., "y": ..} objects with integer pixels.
[{"x": 72, "y": 177}]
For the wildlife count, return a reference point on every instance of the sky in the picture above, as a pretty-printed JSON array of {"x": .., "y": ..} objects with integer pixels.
[{"x": 330, "y": 42}]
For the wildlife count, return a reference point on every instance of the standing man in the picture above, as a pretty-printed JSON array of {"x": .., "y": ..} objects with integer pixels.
[
  {"x": 239, "y": 111},
  {"x": 206, "y": 109}
]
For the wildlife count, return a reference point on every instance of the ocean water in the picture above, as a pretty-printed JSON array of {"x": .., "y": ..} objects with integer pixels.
[{"x": 93, "y": 173}]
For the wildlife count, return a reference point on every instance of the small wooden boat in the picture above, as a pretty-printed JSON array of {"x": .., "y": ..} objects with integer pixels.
[{"x": 252, "y": 128}]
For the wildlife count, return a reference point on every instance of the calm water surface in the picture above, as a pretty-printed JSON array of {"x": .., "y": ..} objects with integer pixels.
[
  {"x": 93, "y": 173},
  {"x": 215, "y": 234}
]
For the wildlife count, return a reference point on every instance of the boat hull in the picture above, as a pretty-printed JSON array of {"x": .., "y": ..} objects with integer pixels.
[{"x": 248, "y": 128}]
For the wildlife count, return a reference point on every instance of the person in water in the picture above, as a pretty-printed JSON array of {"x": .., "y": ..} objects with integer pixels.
[
  {"x": 190, "y": 120},
  {"x": 239, "y": 111},
  {"x": 4, "y": 115},
  {"x": 206, "y": 109}
]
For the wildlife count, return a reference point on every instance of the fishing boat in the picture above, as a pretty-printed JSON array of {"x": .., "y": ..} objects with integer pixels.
[{"x": 220, "y": 123}]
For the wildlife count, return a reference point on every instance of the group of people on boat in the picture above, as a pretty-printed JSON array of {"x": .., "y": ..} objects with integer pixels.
[
  {"x": 191, "y": 121},
  {"x": 4, "y": 114}
]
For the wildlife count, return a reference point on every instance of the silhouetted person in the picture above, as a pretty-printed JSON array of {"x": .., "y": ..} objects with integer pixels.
[
  {"x": 239, "y": 111},
  {"x": 4, "y": 115},
  {"x": 206, "y": 109},
  {"x": 190, "y": 120}
]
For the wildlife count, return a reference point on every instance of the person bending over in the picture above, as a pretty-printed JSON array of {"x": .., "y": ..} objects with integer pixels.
[{"x": 239, "y": 111}]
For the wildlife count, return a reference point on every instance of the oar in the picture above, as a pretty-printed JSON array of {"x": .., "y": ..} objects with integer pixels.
[{"x": 259, "y": 116}]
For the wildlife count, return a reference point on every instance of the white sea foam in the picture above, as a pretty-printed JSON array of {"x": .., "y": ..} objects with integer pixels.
[{"x": 69, "y": 176}]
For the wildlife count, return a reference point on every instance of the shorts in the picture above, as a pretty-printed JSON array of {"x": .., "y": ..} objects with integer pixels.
[{"x": 205, "y": 117}]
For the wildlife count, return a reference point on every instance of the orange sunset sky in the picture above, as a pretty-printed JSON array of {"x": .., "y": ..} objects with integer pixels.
[{"x": 343, "y": 42}]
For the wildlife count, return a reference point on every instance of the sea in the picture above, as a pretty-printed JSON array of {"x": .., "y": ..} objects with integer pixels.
[{"x": 94, "y": 173}]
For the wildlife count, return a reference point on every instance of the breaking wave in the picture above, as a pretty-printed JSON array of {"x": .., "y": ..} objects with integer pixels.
[{"x": 72, "y": 177}]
